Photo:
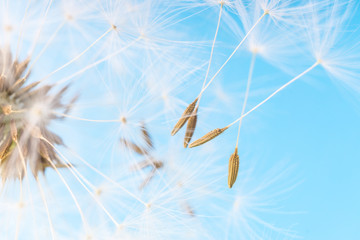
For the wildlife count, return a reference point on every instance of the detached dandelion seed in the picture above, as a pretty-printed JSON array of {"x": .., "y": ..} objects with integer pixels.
[
  {"x": 146, "y": 136},
  {"x": 207, "y": 137},
  {"x": 190, "y": 128},
  {"x": 193, "y": 119},
  {"x": 134, "y": 147},
  {"x": 233, "y": 168},
  {"x": 184, "y": 117}
]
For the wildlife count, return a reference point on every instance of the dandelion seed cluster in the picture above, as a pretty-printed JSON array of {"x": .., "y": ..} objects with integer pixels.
[
  {"x": 26, "y": 117},
  {"x": 103, "y": 103}
]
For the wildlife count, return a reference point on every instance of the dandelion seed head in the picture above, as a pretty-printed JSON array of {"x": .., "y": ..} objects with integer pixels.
[{"x": 25, "y": 107}]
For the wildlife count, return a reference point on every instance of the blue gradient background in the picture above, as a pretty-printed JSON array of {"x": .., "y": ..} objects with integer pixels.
[
  {"x": 313, "y": 124},
  {"x": 312, "y": 127}
]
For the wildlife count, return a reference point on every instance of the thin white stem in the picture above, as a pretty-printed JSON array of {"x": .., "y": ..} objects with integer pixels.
[
  {"x": 76, "y": 175},
  {"x": 21, "y": 188},
  {"x": 251, "y": 70},
  {"x": 232, "y": 54},
  {"x": 44, "y": 48},
  {"x": 85, "y": 119},
  {"x": 40, "y": 30},
  {"x": 212, "y": 51},
  {"x": 46, "y": 208},
  {"x": 19, "y": 213},
  {"x": 68, "y": 188},
  {"x": 18, "y": 45},
  {"x": 79, "y": 55},
  {"x": 28, "y": 182},
  {"x": 277, "y": 91},
  {"x": 110, "y": 180},
  {"x": 96, "y": 63}
]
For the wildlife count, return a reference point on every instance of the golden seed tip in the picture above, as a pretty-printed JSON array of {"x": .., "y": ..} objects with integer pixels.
[
  {"x": 69, "y": 17},
  {"x": 8, "y": 28},
  {"x": 123, "y": 119},
  {"x": 120, "y": 226},
  {"x": 98, "y": 192},
  {"x": 21, "y": 204}
]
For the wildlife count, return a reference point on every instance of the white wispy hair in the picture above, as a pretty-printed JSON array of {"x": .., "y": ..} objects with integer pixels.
[
  {"x": 148, "y": 72},
  {"x": 256, "y": 200},
  {"x": 286, "y": 11},
  {"x": 329, "y": 36},
  {"x": 278, "y": 44}
]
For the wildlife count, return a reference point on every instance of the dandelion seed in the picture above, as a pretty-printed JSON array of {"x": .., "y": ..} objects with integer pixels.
[
  {"x": 146, "y": 136},
  {"x": 207, "y": 137},
  {"x": 233, "y": 168},
  {"x": 190, "y": 128},
  {"x": 184, "y": 117},
  {"x": 189, "y": 210},
  {"x": 234, "y": 158},
  {"x": 149, "y": 162},
  {"x": 193, "y": 119},
  {"x": 156, "y": 165},
  {"x": 58, "y": 165},
  {"x": 134, "y": 147},
  {"x": 129, "y": 40}
]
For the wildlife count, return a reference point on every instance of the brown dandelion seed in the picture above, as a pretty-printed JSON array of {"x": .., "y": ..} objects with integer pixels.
[
  {"x": 148, "y": 162},
  {"x": 189, "y": 210},
  {"x": 233, "y": 168},
  {"x": 132, "y": 146},
  {"x": 4, "y": 146},
  {"x": 151, "y": 162},
  {"x": 17, "y": 84},
  {"x": 190, "y": 128},
  {"x": 20, "y": 67},
  {"x": 184, "y": 117},
  {"x": 25, "y": 90},
  {"x": 146, "y": 135},
  {"x": 207, "y": 137},
  {"x": 13, "y": 130},
  {"x": 148, "y": 179},
  {"x": 58, "y": 165}
]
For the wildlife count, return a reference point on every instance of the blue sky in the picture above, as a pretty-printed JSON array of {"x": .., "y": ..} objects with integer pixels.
[
  {"x": 299, "y": 152},
  {"x": 312, "y": 125}
]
